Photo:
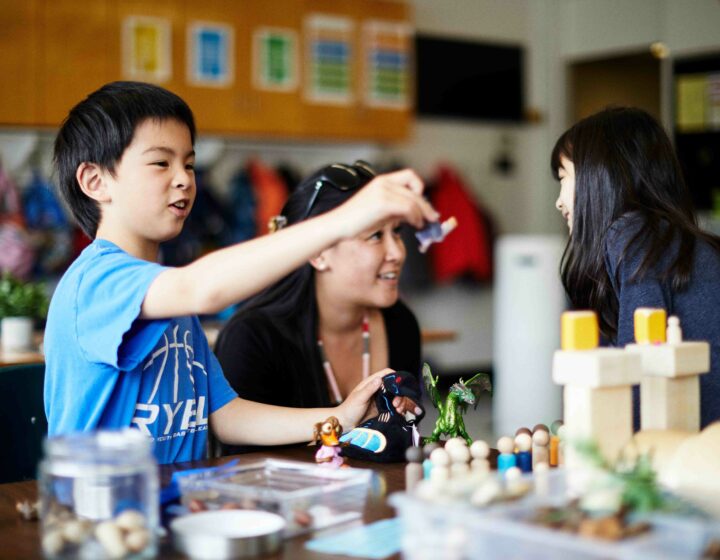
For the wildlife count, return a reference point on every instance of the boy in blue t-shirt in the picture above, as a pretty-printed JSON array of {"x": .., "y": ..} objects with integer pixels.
[{"x": 123, "y": 343}]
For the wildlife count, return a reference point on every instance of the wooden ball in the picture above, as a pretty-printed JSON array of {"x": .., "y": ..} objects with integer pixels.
[
  {"x": 505, "y": 445},
  {"x": 523, "y": 442}
]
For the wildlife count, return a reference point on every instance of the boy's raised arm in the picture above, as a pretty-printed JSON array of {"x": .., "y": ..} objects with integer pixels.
[{"x": 232, "y": 274}]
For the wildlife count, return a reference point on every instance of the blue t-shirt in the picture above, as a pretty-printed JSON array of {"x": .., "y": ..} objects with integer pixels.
[
  {"x": 697, "y": 307},
  {"x": 106, "y": 368}
]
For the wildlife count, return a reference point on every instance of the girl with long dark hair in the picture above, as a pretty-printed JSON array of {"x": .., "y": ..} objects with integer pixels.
[
  {"x": 310, "y": 338},
  {"x": 634, "y": 238}
]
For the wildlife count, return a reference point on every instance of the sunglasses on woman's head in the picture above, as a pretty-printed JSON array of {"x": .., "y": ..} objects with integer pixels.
[{"x": 341, "y": 177}]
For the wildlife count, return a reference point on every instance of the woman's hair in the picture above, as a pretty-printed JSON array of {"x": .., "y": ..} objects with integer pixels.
[
  {"x": 297, "y": 290},
  {"x": 292, "y": 299},
  {"x": 624, "y": 162}
]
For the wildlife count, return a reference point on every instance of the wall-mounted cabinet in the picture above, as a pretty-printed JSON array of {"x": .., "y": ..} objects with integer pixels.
[
  {"x": 57, "y": 51},
  {"x": 19, "y": 62}
]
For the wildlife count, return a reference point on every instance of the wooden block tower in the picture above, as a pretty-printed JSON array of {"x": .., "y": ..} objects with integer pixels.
[
  {"x": 597, "y": 385},
  {"x": 671, "y": 368}
]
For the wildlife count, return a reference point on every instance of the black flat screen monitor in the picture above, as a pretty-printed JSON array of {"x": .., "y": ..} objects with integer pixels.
[{"x": 468, "y": 80}]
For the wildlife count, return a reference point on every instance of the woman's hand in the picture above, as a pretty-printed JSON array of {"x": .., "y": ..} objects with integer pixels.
[
  {"x": 391, "y": 196},
  {"x": 357, "y": 404},
  {"x": 353, "y": 409}
]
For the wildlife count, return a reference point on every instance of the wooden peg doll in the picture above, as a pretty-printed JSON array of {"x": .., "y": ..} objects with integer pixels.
[
  {"x": 523, "y": 444},
  {"x": 479, "y": 451},
  {"x": 540, "y": 447},
  {"x": 414, "y": 468},
  {"x": 506, "y": 459}
]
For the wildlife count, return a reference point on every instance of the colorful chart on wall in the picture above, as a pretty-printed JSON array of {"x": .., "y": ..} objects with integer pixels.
[
  {"x": 387, "y": 51},
  {"x": 714, "y": 101},
  {"x": 697, "y": 102},
  {"x": 329, "y": 57},
  {"x": 210, "y": 54},
  {"x": 691, "y": 102},
  {"x": 147, "y": 48},
  {"x": 275, "y": 59}
]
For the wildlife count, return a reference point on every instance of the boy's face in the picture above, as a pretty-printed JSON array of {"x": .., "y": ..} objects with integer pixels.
[{"x": 153, "y": 188}]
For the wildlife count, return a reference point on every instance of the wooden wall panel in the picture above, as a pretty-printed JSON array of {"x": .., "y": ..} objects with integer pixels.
[
  {"x": 75, "y": 60},
  {"x": 58, "y": 51},
  {"x": 242, "y": 107},
  {"x": 356, "y": 120},
  {"x": 19, "y": 48}
]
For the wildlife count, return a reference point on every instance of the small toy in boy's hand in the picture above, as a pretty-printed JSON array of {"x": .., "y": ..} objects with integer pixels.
[
  {"x": 328, "y": 432},
  {"x": 434, "y": 232}
]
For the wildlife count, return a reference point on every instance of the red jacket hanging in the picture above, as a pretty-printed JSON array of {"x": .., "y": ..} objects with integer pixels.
[{"x": 467, "y": 251}]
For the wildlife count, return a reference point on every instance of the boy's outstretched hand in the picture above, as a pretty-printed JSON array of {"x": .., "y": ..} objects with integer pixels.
[
  {"x": 391, "y": 196},
  {"x": 357, "y": 404}
]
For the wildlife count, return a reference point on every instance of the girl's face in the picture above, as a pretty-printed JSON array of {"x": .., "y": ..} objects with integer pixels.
[
  {"x": 565, "y": 202},
  {"x": 364, "y": 270}
]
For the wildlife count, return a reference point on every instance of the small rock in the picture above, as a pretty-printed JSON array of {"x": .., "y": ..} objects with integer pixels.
[
  {"x": 137, "y": 539},
  {"x": 111, "y": 537},
  {"x": 53, "y": 542},
  {"x": 130, "y": 519}
]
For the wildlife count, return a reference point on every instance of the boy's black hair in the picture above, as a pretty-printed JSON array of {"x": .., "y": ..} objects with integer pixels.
[{"x": 100, "y": 128}]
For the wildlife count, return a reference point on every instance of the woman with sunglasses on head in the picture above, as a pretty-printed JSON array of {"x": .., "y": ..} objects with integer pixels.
[
  {"x": 634, "y": 239},
  {"x": 310, "y": 338}
]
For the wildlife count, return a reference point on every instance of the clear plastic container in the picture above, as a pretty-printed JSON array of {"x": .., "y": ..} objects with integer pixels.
[
  {"x": 99, "y": 496},
  {"x": 504, "y": 531},
  {"x": 307, "y": 496}
]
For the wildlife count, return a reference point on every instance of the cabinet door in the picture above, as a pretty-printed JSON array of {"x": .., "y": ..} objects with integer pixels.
[
  {"x": 386, "y": 66},
  {"x": 76, "y": 41},
  {"x": 18, "y": 63},
  {"x": 244, "y": 106},
  {"x": 352, "y": 118},
  {"x": 150, "y": 43}
]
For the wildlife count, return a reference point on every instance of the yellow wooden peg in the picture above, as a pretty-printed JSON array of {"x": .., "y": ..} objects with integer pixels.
[
  {"x": 579, "y": 330},
  {"x": 650, "y": 325}
]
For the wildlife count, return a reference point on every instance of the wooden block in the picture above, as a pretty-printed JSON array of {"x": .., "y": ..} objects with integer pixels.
[
  {"x": 579, "y": 330},
  {"x": 604, "y": 415},
  {"x": 602, "y": 367},
  {"x": 670, "y": 403},
  {"x": 660, "y": 445},
  {"x": 692, "y": 471},
  {"x": 673, "y": 360},
  {"x": 650, "y": 325}
]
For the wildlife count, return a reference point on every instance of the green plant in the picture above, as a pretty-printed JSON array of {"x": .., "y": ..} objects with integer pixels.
[
  {"x": 22, "y": 299},
  {"x": 641, "y": 492}
]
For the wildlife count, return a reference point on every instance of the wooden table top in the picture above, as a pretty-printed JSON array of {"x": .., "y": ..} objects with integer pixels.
[
  {"x": 21, "y": 539},
  {"x": 20, "y": 358}
]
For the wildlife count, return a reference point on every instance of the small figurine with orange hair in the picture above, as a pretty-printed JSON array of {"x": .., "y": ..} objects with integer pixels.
[{"x": 328, "y": 432}]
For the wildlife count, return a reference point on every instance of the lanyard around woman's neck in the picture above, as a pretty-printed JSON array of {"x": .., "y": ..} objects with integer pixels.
[{"x": 330, "y": 374}]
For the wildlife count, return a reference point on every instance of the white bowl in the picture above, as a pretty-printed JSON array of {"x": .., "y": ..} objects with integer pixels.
[{"x": 220, "y": 534}]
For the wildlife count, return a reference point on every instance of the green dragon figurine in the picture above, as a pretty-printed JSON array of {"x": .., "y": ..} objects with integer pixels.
[{"x": 450, "y": 413}]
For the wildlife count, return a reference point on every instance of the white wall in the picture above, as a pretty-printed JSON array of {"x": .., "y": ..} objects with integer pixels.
[
  {"x": 589, "y": 28},
  {"x": 521, "y": 202},
  {"x": 592, "y": 28},
  {"x": 692, "y": 26},
  {"x": 554, "y": 32}
]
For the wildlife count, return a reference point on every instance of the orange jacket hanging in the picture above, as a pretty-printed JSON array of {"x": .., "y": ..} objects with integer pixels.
[{"x": 270, "y": 194}]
